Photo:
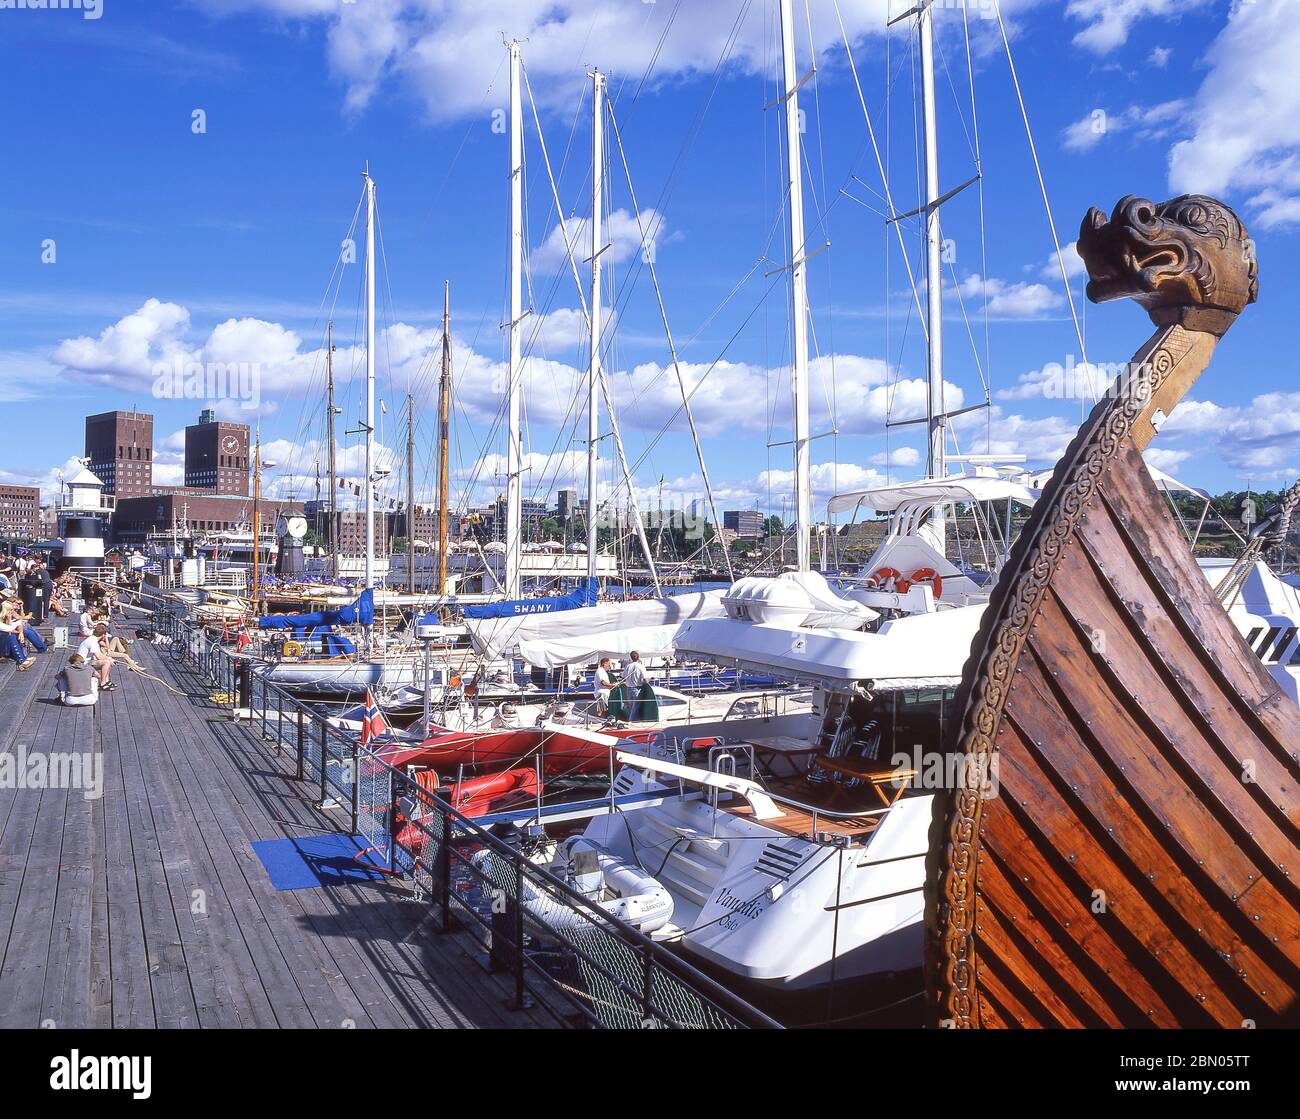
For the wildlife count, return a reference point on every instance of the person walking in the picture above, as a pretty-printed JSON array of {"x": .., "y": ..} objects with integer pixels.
[{"x": 47, "y": 591}]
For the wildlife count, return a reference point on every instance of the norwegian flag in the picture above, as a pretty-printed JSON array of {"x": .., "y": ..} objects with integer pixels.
[{"x": 372, "y": 722}]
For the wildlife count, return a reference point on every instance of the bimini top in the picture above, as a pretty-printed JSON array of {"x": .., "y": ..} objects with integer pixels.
[{"x": 935, "y": 491}]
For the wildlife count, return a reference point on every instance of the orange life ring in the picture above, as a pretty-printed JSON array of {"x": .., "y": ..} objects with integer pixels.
[
  {"x": 929, "y": 575},
  {"x": 901, "y": 585}
]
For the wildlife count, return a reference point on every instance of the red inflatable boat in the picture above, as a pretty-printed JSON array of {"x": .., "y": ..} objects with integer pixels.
[{"x": 566, "y": 752}]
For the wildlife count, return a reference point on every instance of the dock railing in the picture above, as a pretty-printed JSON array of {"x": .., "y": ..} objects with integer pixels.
[{"x": 583, "y": 964}]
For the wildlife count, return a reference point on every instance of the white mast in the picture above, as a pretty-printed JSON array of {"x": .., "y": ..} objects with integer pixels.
[
  {"x": 593, "y": 373},
  {"x": 514, "y": 449},
  {"x": 935, "y": 528},
  {"x": 370, "y": 377},
  {"x": 798, "y": 293}
]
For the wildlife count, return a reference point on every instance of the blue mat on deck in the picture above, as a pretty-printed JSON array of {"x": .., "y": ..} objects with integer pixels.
[{"x": 317, "y": 860}]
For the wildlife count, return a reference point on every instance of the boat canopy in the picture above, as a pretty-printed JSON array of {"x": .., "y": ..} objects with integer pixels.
[
  {"x": 919, "y": 650},
  {"x": 584, "y": 634},
  {"x": 361, "y": 612},
  {"x": 584, "y": 595},
  {"x": 935, "y": 491}
]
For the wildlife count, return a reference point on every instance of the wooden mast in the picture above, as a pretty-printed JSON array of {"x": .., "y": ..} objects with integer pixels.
[
  {"x": 444, "y": 430},
  {"x": 331, "y": 412},
  {"x": 1123, "y": 845},
  {"x": 257, "y": 513},
  {"x": 410, "y": 493}
]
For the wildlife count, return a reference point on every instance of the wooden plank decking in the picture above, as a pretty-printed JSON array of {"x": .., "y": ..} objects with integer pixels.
[{"x": 148, "y": 907}]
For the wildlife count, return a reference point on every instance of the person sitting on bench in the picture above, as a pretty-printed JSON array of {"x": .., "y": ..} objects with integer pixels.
[{"x": 77, "y": 684}]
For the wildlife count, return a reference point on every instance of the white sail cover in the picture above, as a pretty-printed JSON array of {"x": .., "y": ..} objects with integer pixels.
[
  {"x": 582, "y": 635},
  {"x": 552, "y": 652}
]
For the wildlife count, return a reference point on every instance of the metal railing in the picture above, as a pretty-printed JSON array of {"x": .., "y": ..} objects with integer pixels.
[{"x": 585, "y": 966}]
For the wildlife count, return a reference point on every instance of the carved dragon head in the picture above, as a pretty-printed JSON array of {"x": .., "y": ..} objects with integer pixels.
[{"x": 1188, "y": 260}]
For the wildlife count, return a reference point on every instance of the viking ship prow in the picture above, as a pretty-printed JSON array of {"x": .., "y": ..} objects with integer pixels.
[{"x": 1136, "y": 860}]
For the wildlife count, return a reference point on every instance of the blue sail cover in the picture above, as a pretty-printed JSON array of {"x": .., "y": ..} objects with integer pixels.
[
  {"x": 360, "y": 612},
  {"x": 584, "y": 595}
]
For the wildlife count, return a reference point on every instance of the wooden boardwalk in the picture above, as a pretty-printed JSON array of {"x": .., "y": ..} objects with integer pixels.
[{"x": 147, "y": 907}]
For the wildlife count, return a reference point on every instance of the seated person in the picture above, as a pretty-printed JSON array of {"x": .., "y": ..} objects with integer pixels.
[
  {"x": 77, "y": 684},
  {"x": 25, "y": 633},
  {"x": 11, "y": 647},
  {"x": 93, "y": 652}
]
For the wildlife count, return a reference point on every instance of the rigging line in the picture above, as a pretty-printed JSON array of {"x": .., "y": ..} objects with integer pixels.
[
  {"x": 830, "y": 285},
  {"x": 302, "y": 427},
  {"x": 947, "y": 73},
  {"x": 654, "y": 59},
  {"x": 1047, "y": 205},
  {"x": 606, "y": 391},
  {"x": 469, "y": 129},
  {"x": 668, "y": 335},
  {"x": 687, "y": 144},
  {"x": 663, "y": 430},
  {"x": 697, "y": 124},
  {"x": 979, "y": 167},
  {"x": 975, "y": 353},
  {"x": 871, "y": 132}
]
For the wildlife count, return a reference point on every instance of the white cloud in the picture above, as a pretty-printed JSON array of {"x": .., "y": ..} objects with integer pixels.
[
  {"x": 1166, "y": 459},
  {"x": 1110, "y": 21},
  {"x": 1042, "y": 440},
  {"x": 622, "y": 234},
  {"x": 1074, "y": 266},
  {"x": 1144, "y": 122},
  {"x": 448, "y": 54},
  {"x": 897, "y": 456},
  {"x": 1057, "y": 381},
  {"x": 47, "y": 479},
  {"x": 1160, "y": 57},
  {"x": 1247, "y": 115},
  {"x": 126, "y": 352},
  {"x": 828, "y": 479},
  {"x": 1008, "y": 300},
  {"x": 1261, "y": 438}
]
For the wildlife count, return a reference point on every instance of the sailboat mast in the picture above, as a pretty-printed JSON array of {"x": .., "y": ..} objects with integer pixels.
[
  {"x": 935, "y": 411},
  {"x": 370, "y": 379},
  {"x": 410, "y": 492},
  {"x": 332, "y": 465},
  {"x": 798, "y": 293},
  {"x": 257, "y": 513},
  {"x": 514, "y": 448},
  {"x": 444, "y": 430},
  {"x": 597, "y": 247}
]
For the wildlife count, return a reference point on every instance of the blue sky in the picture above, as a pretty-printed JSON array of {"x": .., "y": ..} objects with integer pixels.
[{"x": 220, "y": 243}]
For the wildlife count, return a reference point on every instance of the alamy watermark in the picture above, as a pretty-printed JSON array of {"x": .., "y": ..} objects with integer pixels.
[
  {"x": 181, "y": 379},
  {"x": 938, "y": 769},
  {"x": 89, "y": 9},
  {"x": 34, "y": 769}
]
